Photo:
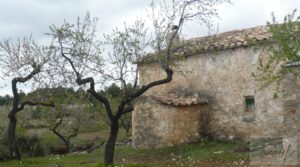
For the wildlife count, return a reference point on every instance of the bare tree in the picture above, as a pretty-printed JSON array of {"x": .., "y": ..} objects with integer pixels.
[
  {"x": 79, "y": 48},
  {"x": 69, "y": 130},
  {"x": 65, "y": 138},
  {"x": 23, "y": 62}
]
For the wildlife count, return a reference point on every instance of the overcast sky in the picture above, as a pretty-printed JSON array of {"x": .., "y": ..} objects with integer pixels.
[{"x": 23, "y": 17}]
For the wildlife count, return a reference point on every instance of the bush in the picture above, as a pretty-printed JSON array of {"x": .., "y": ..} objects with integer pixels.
[
  {"x": 51, "y": 143},
  {"x": 4, "y": 152},
  {"x": 31, "y": 146}
]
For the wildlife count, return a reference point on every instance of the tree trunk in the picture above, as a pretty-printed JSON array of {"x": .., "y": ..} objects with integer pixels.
[
  {"x": 65, "y": 140},
  {"x": 12, "y": 143},
  {"x": 111, "y": 142}
]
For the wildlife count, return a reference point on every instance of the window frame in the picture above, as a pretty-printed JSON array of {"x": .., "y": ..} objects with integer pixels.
[{"x": 249, "y": 102}]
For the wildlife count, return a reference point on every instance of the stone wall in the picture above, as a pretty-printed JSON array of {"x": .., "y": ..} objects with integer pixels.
[
  {"x": 290, "y": 87},
  {"x": 226, "y": 76},
  {"x": 158, "y": 125}
]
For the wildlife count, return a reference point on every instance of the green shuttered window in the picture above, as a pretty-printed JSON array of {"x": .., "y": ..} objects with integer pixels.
[{"x": 250, "y": 103}]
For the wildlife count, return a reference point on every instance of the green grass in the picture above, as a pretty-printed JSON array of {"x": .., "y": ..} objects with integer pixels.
[
  {"x": 205, "y": 154},
  {"x": 88, "y": 160},
  {"x": 213, "y": 151}
]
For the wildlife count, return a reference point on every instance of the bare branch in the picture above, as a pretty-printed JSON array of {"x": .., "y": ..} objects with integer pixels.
[
  {"x": 60, "y": 136},
  {"x": 35, "y": 103}
]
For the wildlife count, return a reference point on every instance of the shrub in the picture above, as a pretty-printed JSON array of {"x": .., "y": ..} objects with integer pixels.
[
  {"x": 51, "y": 143},
  {"x": 4, "y": 152},
  {"x": 31, "y": 145}
]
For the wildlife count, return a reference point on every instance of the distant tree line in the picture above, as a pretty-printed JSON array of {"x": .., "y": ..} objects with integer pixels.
[{"x": 64, "y": 95}]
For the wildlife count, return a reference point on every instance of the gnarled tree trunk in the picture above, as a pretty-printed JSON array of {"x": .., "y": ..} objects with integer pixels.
[
  {"x": 17, "y": 107},
  {"x": 61, "y": 137},
  {"x": 111, "y": 143},
  {"x": 65, "y": 139},
  {"x": 12, "y": 141}
]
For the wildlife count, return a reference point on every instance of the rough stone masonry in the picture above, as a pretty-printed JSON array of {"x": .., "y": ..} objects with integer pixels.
[{"x": 215, "y": 77}]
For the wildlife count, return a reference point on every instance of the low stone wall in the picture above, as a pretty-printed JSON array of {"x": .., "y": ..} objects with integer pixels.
[{"x": 156, "y": 125}]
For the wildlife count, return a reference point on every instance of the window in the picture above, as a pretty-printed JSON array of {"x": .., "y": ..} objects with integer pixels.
[{"x": 250, "y": 103}]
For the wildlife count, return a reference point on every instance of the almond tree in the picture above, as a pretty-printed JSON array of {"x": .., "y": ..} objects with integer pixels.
[
  {"x": 56, "y": 120},
  {"x": 283, "y": 47},
  {"x": 65, "y": 138},
  {"x": 23, "y": 61},
  {"x": 78, "y": 47}
]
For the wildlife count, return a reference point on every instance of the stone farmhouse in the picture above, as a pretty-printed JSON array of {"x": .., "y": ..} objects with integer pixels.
[{"x": 213, "y": 93}]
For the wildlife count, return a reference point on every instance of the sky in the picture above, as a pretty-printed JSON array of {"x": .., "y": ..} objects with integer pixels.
[{"x": 20, "y": 18}]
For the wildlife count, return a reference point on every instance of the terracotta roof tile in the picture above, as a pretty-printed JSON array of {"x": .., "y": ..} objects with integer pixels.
[
  {"x": 226, "y": 40},
  {"x": 221, "y": 41},
  {"x": 173, "y": 99}
]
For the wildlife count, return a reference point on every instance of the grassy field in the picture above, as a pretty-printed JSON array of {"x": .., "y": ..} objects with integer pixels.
[
  {"x": 197, "y": 154},
  {"x": 204, "y": 154}
]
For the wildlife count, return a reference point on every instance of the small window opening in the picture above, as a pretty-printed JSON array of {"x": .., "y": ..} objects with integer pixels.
[{"x": 250, "y": 103}]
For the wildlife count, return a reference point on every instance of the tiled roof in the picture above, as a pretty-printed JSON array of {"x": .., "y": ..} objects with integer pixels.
[
  {"x": 220, "y": 41},
  {"x": 175, "y": 100},
  {"x": 226, "y": 40}
]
